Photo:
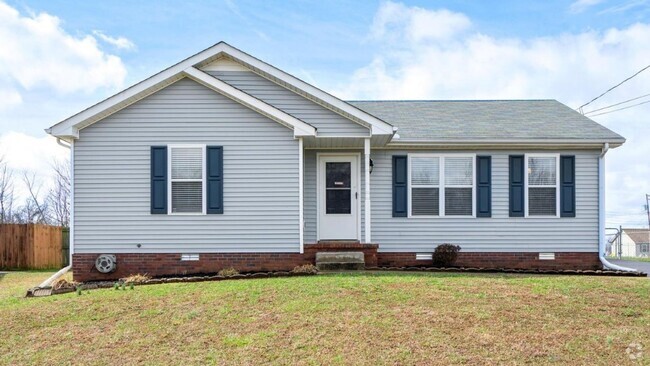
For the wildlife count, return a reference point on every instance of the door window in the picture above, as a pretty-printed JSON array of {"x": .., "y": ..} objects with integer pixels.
[{"x": 338, "y": 190}]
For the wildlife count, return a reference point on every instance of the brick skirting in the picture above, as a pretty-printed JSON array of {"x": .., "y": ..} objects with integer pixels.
[
  {"x": 518, "y": 260},
  {"x": 83, "y": 265}
]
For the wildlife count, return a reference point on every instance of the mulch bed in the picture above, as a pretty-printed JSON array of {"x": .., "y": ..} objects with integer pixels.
[
  {"x": 193, "y": 278},
  {"x": 203, "y": 278},
  {"x": 586, "y": 272}
]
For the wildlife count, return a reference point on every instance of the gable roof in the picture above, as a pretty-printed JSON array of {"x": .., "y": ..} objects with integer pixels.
[
  {"x": 69, "y": 128},
  {"x": 508, "y": 121},
  {"x": 639, "y": 236}
]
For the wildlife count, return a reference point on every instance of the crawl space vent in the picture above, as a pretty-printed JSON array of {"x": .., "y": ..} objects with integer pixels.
[
  {"x": 546, "y": 256},
  {"x": 423, "y": 256}
]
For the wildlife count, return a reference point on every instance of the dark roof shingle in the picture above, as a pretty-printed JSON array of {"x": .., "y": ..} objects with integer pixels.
[{"x": 487, "y": 120}]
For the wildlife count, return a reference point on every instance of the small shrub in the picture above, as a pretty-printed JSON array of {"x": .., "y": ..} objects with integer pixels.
[
  {"x": 132, "y": 285},
  {"x": 123, "y": 286},
  {"x": 445, "y": 255},
  {"x": 116, "y": 286},
  {"x": 137, "y": 278},
  {"x": 79, "y": 290},
  {"x": 227, "y": 272},
  {"x": 305, "y": 268}
]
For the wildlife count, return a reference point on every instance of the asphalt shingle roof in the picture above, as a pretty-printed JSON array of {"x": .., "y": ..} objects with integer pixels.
[{"x": 486, "y": 120}]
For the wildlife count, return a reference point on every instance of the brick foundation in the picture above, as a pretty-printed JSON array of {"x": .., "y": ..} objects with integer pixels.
[
  {"x": 83, "y": 265},
  {"x": 519, "y": 260}
]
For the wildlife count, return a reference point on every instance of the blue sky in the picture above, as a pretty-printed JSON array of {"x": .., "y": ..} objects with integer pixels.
[{"x": 64, "y": 56}]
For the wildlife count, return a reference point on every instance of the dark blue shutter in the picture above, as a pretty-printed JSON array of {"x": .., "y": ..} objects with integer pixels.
[
  {"x": 214, "y": 173},
  {"x": 483, "y": 186},
  {"x": 400, "y": 189},
  {"x": 567, "y": 186},
  {"x": 159, "y": 180},
  {"x": 517, "y": 177}
]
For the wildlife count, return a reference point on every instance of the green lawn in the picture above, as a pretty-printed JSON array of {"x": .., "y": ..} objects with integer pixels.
[{"x": 360, "y": 319}]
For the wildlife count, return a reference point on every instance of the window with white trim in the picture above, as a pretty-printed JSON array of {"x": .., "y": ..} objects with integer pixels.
[
  {"x": 441, "y": 185},
  {"x": 187, "y": 179},
  {"x": 543, "y": 183}
]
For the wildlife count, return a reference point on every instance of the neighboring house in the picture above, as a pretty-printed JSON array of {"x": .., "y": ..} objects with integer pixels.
[
  {"x": 223, "y": 160},
  {"x": 631, "y": 243}
]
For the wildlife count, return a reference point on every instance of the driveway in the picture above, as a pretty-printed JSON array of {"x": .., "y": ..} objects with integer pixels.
[{"x": 641, "y": 266}]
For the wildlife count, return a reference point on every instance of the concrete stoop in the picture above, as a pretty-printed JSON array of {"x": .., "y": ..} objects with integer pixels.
[{"x": 340, "y": 261}]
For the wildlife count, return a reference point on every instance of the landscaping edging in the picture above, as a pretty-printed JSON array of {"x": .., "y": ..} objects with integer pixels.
[{"x": 585, "y": 272}]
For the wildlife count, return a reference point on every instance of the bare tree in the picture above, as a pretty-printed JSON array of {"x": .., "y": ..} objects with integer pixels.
[
  {"x": 34, "y": 210},
  {"x": 6, "y": 193},
  {"x": 58, "y": 199}
]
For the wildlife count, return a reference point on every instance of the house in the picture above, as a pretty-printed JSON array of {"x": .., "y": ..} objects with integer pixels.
[
  {"x": 631, "y": 243},
  {"x": 224, "y": 160}
]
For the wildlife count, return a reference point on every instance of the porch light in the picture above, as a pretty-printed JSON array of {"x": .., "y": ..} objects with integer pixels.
[{"x": 372, "y": 165}]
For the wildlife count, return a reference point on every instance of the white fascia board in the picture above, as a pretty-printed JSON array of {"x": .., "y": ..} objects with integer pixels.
[
  {"x": 299, "y": 127},
  {"x": 506, "y": 143},
  {"x": 378, "y": 126}
]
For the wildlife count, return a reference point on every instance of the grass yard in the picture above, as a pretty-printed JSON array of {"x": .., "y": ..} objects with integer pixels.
[{"x": 359, "y": 319}]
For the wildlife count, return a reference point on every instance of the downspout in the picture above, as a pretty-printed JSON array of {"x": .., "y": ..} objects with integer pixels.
[
  {"x": 64, "y": 270},
  {"x": 601, "y": 215}
]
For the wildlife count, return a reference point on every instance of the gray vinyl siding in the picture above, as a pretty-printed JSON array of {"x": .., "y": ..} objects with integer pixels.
[
  {"x": 500, "y": 233},
  {"x": 326, "y": 121},
  {"x": 112, "y": 177}
]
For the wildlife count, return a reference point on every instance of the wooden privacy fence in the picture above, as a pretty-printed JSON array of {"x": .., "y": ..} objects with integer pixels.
[{"x": 31, "y": 246}]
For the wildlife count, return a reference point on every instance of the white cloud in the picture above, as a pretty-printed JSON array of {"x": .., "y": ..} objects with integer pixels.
[
  {"x": 414, "y": 24},
  {"x": 119, "y": 42},
  {"x": 465, "y": 64},
  {"x": 9, "y": 98},
  {"x": 36, "y": 52},
  {"x": 581, "y": 5}
]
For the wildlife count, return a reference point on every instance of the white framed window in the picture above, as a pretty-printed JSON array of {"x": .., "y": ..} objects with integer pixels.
[
  {"x": 542, "y": 185},
  {"x": 186, "y": 190},
  {"x": 442, "y": 185}
]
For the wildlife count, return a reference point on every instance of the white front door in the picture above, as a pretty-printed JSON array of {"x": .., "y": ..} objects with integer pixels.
[{"x": 338, "y": 197}]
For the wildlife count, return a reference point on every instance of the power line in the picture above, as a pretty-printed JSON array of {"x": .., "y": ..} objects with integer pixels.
[
  {"x": 612, "y": 88},
  {"x": 614, "y": 105},
  {"x": 619, "y": 109}
]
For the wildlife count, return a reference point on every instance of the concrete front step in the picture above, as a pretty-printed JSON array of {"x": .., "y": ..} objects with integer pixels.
[{"x": 340, "y": 261}]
